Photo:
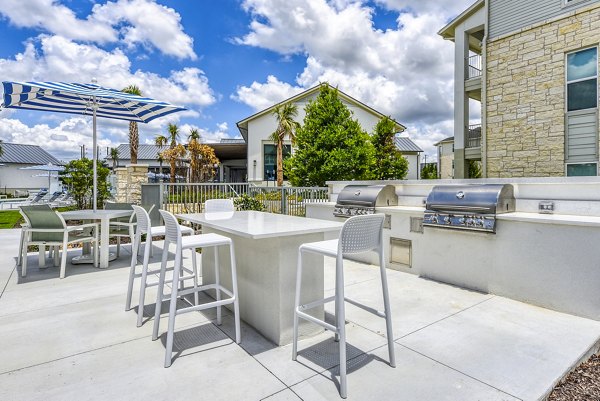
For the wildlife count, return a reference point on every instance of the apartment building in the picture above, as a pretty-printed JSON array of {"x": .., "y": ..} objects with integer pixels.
[{"x": 532, "y": 69}]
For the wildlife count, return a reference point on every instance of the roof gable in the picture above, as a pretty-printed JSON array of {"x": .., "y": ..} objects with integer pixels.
[
  {"x": 26, "y": 154},
  {"x": 243, "y": 124}
]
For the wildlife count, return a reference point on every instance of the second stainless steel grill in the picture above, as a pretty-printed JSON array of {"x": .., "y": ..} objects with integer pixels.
[
  {"x": 468, "y": 207},
  {"x": 356, "y": 200}
]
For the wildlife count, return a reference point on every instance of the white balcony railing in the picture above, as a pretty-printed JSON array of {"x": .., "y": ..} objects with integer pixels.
[{"x": 473, "y": 66}]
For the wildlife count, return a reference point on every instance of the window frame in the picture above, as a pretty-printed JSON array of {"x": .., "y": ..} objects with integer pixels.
[
  {"x": 575, "y": 163},
  {"x": 264, "y": 162},
  {"x": 567, "y": 82}
]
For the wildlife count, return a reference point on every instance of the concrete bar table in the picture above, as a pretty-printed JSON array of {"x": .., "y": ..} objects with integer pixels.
[
  {"x": 104, "y": 216},
  {"x": 266, "y": 252}
]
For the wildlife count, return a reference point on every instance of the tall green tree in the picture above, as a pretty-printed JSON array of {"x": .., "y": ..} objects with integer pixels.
[
  {"x": 286, "y": 128},
  {"x": 330, "y": 145},
  {"x": 475, "y": 169},
  {"x": 78, "y": 176},
  {"x": 114, "y": 156},
  {"x": 388, "y": 162},
  {"x": 134, "y": 135},
  {"x": 429, "y": 171}
]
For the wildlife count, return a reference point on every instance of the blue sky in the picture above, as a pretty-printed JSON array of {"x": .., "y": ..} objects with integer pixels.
[{"x": 226, "y": 59}]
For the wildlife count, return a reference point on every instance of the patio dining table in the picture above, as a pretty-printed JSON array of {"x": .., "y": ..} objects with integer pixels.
[
  {"x": 266, "y": 251},
  {"x": 104, "y": 216}
]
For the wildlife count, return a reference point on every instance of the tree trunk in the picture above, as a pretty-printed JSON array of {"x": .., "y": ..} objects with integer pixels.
[
  {"x": 134, "y": 140},
  {"x": 172, "y": 171},
  {"x": 280, "y": 162}
]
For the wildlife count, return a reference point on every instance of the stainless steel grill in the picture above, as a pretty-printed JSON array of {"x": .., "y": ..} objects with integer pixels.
[
  {"x": 468, "y": 207},
  {"x": 356, "y": 200}
]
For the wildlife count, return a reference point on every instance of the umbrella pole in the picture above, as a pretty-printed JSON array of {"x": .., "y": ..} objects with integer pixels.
[{"x": 94, "y": 158}]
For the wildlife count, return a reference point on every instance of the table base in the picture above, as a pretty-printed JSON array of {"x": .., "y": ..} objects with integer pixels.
[{"x": 88, "y": 258}]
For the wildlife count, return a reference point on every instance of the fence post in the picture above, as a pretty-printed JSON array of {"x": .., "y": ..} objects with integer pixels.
[{"x": 283, "y": 200}]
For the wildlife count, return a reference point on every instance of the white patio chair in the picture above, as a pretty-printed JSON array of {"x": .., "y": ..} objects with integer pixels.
[
  {"x": 45, "y": 227},
  {"x": 174, "y": 236},
  {"x": 218, "y": 205},
  {"x": 359, "y": 234},
  {"x": 144, "y": 227},
  {"x": 121, "y": 226}
]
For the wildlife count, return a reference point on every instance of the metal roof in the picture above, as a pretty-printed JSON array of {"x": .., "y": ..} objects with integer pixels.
[
  {"x": 145, "y": 152},
  {"x": 404, "y": 144},
  {"x": 26, "y": 154}
]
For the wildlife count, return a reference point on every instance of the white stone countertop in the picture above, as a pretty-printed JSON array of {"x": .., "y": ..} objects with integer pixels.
[
  {"x": 258, "y": 225},
  {"x": 563, "y": 219}
]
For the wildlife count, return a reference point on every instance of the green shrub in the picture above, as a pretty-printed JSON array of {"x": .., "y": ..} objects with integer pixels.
[{"x": 246, "y": 202}]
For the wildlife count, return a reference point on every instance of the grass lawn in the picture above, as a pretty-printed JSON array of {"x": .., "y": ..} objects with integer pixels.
[{"x": 9, "y": 218}]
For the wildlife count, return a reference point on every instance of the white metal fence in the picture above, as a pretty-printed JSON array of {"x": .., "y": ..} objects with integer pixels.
[{"x": 190, "y": 198}]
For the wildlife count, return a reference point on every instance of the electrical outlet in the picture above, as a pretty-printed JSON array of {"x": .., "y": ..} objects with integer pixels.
[{"x": 546, "y": 207}]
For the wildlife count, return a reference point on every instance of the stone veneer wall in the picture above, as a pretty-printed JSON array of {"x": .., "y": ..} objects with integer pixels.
[
  {"x": 525, "y": 134},
  {"x": 129, "y": 182},
  {"x": 446, "y": 165}
]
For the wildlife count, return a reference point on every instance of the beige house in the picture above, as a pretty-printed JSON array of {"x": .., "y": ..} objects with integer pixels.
[
  {"x": 445, "y": 157},
  {"x": 533, "y": 66},
  {"x": 257, "y": 129}
]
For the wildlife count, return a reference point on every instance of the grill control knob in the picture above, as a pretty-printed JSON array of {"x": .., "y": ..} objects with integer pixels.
[
  {"x": 461, "y": 220},
  {"x": 434, "y": 219}
]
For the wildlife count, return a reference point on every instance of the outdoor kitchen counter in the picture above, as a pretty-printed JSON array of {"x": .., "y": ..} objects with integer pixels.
[
  {"x": 266, "y": 252},
  {"x": 558, "y": 219}
]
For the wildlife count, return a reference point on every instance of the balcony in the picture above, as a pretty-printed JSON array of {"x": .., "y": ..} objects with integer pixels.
[
  {"x": 473, "y": 138},
  {"x": 473, "y": 67}
]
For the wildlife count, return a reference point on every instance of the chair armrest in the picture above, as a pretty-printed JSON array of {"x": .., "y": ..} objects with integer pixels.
[
  {"x": 44, "y": 230},
  {"x": 78, "y": 227}
]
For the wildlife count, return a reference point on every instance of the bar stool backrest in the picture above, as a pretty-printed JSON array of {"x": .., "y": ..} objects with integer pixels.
[
  {"x": 218, "y": 205},
  {"x": 143, "y": 219},
  {"x": 361, "y": 233},
  {"x": 173, "y": 231}
]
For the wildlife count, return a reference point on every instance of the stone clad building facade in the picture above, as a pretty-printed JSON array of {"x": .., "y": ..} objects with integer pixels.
[{"x": 538, "y": 87}]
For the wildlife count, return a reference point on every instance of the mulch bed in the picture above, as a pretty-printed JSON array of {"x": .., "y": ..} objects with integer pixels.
[{"x": 582, "y": 384}]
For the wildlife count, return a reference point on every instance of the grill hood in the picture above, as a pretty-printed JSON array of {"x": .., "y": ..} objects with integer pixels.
[
  {"x": 363, "y": 199},
  {"x": 480, "y": 199}
]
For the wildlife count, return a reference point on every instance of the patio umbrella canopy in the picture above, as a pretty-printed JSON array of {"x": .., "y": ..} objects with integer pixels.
[
  {"x": 49, "y": 168},
  {"x": 88, "y": 99}
]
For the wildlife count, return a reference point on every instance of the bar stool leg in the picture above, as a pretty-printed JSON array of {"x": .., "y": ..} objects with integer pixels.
[
  {"x": 297, "y": 304},
  {"x": 20, "y": 256},
  {"x": 134, "y": 251},
  {"x": 42, "y": 257},
  {"x": 195, "y": 270},
  {"x": 161, "y": 286},
  {"x": 386, "y": 306},
  {"x": 236, "y": 302},
  {"x": 173, "y": 309},
  {"x": 143, "y": 283},
  {"x": 341, "y": 323},
  {"x": 218, "y": 283}
]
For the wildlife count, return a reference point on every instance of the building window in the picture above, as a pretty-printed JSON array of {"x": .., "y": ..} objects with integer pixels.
[
  {"x": 582, "y": 169},
  {"x": 270, "y": 161},
  {"x": 582, "y": 79}
]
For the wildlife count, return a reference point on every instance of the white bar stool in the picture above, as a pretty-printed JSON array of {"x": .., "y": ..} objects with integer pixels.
[
  {"x": 144, "y": 227},
  {"x": 359, "y": 234},
  {"x": 173, "y": 235}
]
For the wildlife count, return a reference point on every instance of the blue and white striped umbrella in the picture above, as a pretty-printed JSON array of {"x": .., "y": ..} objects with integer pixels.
[{"x": 87, "y": 99}]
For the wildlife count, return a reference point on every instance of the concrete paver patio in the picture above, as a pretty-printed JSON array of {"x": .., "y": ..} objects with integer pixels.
[{"x": 72, "y": 340}]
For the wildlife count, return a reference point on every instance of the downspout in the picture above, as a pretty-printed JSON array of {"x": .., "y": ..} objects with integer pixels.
[{"x": 484, "y": 91}]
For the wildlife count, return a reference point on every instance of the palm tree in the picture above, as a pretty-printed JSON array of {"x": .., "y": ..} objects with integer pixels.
[
  {"x": 114, "y": 155},
  {"x": 160, "y": 141},
  {"x": 174, "y": 153},
  {"x": 286, "y": 127},
  {"x": 134, "y": 136}
]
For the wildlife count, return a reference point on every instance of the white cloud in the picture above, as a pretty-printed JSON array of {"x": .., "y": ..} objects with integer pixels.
[
  {"x": 130, "y": 22},
  {"x": 260, "y": 96},
  {"x": 149, "y": 24},
  {"x": 59, "y": 59},
  {"x": 406, "y": 72}
]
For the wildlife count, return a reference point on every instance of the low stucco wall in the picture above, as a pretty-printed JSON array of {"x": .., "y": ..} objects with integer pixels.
[{"x": 552, "y": 261}]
